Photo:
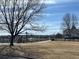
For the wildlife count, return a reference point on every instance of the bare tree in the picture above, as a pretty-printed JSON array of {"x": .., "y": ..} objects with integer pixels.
[
  {"x": 16, "y": 14},
  {"x": 69, "y": 21},
  {"x": 74, "y": 20}
]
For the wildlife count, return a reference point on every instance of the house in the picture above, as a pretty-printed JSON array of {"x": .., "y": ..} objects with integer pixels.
[{"x": 72, "y": 33}]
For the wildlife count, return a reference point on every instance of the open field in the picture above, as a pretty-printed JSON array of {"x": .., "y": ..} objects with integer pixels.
[{"x": 44, "y": 50}]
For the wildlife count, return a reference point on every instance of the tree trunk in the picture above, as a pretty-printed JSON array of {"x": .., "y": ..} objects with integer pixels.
[{"x": 11, "y": 40}]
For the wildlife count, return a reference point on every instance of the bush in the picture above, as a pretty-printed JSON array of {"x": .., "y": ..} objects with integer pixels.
[{"x": 52, "y": 39}]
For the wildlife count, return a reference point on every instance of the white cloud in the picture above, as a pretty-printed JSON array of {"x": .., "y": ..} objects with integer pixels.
[
  {"x": 49, "y": 1},
  {"x": 46, "y": 14},
  {"x": 59, "y": 1},
  {"x": 65, "y": 1}
]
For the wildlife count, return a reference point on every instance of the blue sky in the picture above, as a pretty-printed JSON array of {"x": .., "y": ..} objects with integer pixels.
[{"x": 53, "y": 14}]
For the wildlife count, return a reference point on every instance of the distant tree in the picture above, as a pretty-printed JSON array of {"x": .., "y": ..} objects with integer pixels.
[
  {"x": 16, "y": 14},
  {"x": 66, "y": 22},
  {"x": 58, "y": 35},
  {"x": 74, "y": 20}
]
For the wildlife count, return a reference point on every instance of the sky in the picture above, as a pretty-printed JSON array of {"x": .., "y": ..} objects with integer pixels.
[
  {"x": 52, "y": 15},
  {"x": 54, "y": 12}
]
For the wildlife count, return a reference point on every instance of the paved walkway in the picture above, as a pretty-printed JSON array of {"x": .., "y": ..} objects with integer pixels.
[{"x": 13, "y": 57}]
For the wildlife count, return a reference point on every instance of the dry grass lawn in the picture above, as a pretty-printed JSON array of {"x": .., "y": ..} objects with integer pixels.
[{"x": 44, "y": 50}]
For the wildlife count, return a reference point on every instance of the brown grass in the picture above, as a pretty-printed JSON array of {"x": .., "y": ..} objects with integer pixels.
[{"x": 45, "y": 50}]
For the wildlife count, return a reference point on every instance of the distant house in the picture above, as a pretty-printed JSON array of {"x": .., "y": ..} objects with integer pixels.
[{"x": 72, "y": 33}]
